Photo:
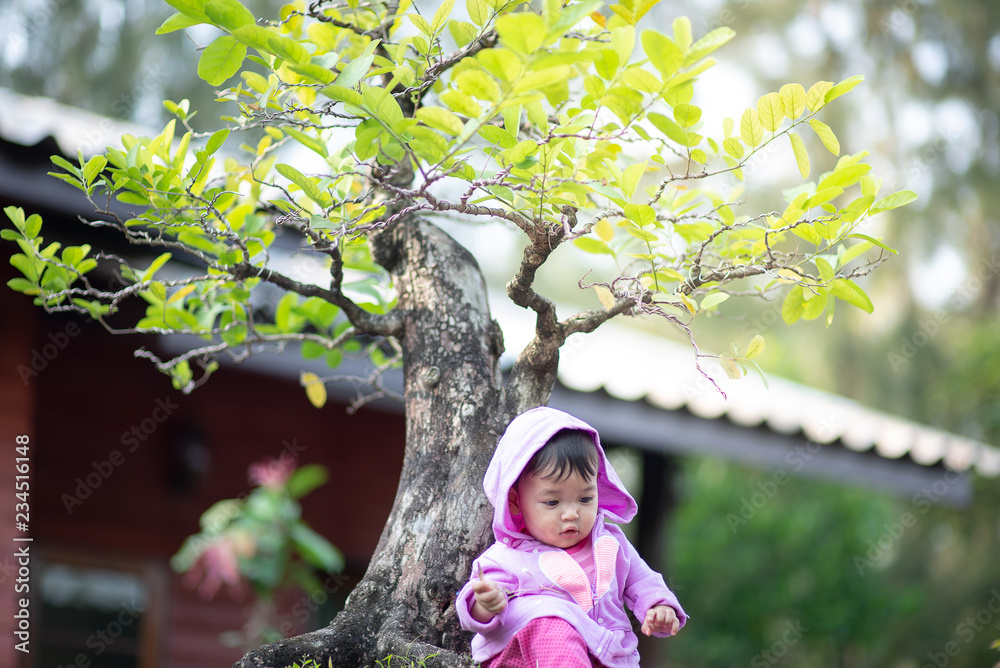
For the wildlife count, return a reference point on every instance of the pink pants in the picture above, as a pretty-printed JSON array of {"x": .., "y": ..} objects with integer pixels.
[{"x": 545, "y": 642}]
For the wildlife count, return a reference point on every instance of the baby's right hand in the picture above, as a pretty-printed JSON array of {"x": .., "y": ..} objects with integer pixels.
[{"x": 490, "y": 600}]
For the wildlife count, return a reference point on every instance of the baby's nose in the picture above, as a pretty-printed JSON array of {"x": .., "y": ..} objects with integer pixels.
[{"x": 570, "y": 513}]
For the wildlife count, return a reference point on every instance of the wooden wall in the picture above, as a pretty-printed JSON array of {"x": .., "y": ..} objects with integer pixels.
[{"x": 95, "y": 411}]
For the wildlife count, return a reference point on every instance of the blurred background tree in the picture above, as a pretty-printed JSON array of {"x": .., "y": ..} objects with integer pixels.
[{"x": 785, "y": 588}]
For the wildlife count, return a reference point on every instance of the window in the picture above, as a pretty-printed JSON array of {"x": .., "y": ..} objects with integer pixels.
[{"x": 94, "y": 615}]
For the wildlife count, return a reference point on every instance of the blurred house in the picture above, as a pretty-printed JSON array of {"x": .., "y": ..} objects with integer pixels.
[{"x": 122, "y": 465}]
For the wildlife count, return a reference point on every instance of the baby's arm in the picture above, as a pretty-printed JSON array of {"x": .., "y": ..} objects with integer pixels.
[
  {"x": 661, "y": 619},
  {"x": 490, "y": 600},
  {"x": 482, "y": 602},
  {"x": 646, "y": 590}
]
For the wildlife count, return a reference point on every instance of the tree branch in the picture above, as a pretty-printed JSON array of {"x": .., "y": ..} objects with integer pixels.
[{"x": 389, "y": 324}]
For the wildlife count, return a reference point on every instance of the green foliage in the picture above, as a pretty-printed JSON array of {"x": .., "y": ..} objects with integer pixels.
[
  {"x": 821, "y": 574},
  {"x": 260, "y": 539},
  {"x": 565, "y": 117},
  {"x": 790, "y": 546}
]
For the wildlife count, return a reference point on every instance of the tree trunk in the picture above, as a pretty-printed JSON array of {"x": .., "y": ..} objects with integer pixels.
[{"x": 404, "y": 605}]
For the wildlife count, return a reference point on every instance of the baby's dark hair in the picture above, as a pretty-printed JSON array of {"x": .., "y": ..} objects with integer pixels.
[{"x": 569, "y": 451}]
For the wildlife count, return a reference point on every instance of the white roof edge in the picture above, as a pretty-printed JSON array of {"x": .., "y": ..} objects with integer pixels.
[
  {"x": 630, "y": 364},
  {"x": 27, "y": 120}
]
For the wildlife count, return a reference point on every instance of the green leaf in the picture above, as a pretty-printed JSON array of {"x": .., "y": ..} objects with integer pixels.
[
  {"x": 843, "y": 87},
  {"x": 793, "y": 98},
  {"x": 630, "y": 178},
  {"x": 793, "y": 306},
  {"x": 847, "y": 290},
  {"x": 642, "y": 215},
  {"x": 669, "y": 127},
  {"x": 228, "y": 14},
  {"x": 255, "y": 36},
  {"x": 315, "y": 549},
  {"x": 307, "y": 184},
  {"x": 523, "y": 32},
  {"x": 307, "y": 478},
  {"x": 478, "y": 84},
  {"x": 686, "y": 115},
  {"x": 357, "y": 69},
  {"x": 755, "y": 348},
  {"x": 154, "y": 267},
  {"x": 32, "y": 226},
  {"x": 421, "y": 24},
  {"x": 539, "y": 81},
  {"x": 501, "y": 63},
  {"x": 479, "y": 11},
  {"x": 461, "y": 103},
  {"x": 893, "y": 201},
  {"x": 16, "y": 213},
  {"x": 442, "y": 14},
  {"x": 842, "y": 177},
  {"x": 313, "y": 71},
  {"x": 873, "y": 241},
  {"x": 315, "y": 389},
  {"x": 93, "y": 167},
  {"x": 732, "y": 369},
  {"x": 642, "y": 234},
  {"x": 771, "y": 112},
  {"x": 663, "y": 53},
  {"x": 216, "y": 141},
  {"x": 682, "y": 33},
  {"x": 192, "y": 8},
  {"x": 342, "y": 94},
  {"x": 733, "y": 147},
  {"x": 751, "y": 130},
  {"x": 440, "y": 119},
  {"x": 760, "y": 372},
  {"x": 825, "y": 270},
  {"x": 22, "y": 285},
  {"x": 606, "y": 63},
  {"x": 288, "y": 49},
  {"x": 177, "y": 21},
  {"x": 709, "y": 43},
  {"x": 816, "y": 97},
  {"x": 713, "y": 300},
  {"x": 591, "y": 245},
  {"x": 498, "y": 136},
  {"x": 221, "y": 59},
  {"x": 825, "y": 135},
  {"x": 801, "y": 156},
  {"x": 383, "y": 106},
  {"x": 307, "y": 141}
]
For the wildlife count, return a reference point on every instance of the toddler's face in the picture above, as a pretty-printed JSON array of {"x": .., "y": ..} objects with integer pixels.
[{"x": 559, "y": 513}]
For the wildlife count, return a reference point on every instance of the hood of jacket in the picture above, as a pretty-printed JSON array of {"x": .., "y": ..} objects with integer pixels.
[{"x": 525, "y": 435}]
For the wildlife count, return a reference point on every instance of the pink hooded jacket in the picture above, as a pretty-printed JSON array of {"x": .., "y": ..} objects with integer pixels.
[{"x": 544, "y": 581}]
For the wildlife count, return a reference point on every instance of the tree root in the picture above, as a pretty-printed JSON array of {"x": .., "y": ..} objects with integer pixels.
[
  {"x": 339, "y": 646},
  {"x": 422, "y": 654}
]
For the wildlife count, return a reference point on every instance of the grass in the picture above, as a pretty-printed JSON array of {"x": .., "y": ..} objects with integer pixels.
[{"x": 390, "y": 661}]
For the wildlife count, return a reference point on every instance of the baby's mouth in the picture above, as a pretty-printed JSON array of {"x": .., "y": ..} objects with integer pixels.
[{"x": 570, "y": 530}]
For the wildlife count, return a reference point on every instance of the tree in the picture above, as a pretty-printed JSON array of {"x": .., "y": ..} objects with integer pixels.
[{"x": 522, "y": 114}]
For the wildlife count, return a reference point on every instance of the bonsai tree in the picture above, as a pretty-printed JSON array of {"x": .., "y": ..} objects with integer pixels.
[{"x": 350, "y": 128}]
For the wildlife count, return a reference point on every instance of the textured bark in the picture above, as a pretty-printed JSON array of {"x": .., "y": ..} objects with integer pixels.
[{"x": 455, "y": 411}]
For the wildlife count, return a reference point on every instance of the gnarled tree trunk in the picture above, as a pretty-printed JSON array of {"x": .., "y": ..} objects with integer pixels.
[{"x": 456, "y": 409}]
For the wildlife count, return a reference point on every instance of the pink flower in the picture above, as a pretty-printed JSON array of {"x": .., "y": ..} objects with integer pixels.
[{"x": 272, "y": 473}]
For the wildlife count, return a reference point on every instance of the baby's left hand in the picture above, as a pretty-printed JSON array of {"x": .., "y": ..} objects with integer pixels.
[{"x": 660, "y": 619}]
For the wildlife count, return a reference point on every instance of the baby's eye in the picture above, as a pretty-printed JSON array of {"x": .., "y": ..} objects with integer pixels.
[
  {"x": 586, "y": 499},
  {"x": 551, "y": 503}
]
